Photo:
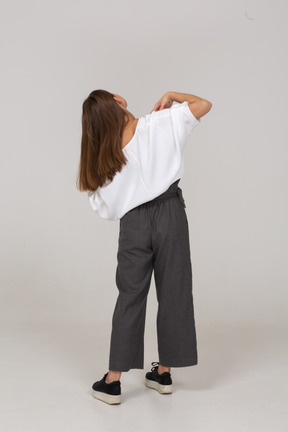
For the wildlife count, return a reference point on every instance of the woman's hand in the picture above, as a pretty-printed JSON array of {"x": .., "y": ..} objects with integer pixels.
[{"x": 165, "y": 102}]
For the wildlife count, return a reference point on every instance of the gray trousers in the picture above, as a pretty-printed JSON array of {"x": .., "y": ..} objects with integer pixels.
[{"x": 154, "y": 235}]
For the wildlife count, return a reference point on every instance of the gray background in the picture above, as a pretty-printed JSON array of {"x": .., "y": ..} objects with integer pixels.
[{"x": 58, "y": 257}]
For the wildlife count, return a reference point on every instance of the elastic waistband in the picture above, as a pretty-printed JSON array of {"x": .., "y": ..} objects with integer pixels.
[
  {"x": 170, "y": 194},
  {"x": 173, "y": 190}
]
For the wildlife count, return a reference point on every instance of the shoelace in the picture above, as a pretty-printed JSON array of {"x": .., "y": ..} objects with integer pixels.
[{"x": 155, "y": 365}]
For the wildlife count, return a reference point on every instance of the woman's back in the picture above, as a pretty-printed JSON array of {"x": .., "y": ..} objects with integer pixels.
[{"x": 155, "y": 156}]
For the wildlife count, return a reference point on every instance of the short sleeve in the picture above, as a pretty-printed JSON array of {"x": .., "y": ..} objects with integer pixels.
[{"x": 183, "y": 122}]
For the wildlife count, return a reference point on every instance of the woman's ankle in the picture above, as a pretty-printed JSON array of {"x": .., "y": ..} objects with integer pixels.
[
  {"x": 113, "y": 376},
  {"x": 162, "y": 369}
]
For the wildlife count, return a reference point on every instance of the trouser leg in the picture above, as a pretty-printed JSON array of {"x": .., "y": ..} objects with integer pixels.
[
  {"x": 176, "y": 332},
  {"x": 133, "y": 278}
]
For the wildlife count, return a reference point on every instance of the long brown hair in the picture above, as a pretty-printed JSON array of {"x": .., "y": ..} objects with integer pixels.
[{"x": 103, "y": 122}]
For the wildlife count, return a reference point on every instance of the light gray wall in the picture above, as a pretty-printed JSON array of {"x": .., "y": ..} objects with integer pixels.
[{"x": 58, "y": 258}]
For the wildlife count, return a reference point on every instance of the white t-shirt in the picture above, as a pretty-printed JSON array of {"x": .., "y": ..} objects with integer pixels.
[{"x": 155, "y": 160}]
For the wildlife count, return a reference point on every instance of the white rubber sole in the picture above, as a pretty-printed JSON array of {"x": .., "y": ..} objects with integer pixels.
[
  {"x": 163, "y": 389},
  {"x": 110, "y": 399}
]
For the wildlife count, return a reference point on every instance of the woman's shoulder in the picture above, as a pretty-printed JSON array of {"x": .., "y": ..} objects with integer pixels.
[{"x": 166, "y": 112}]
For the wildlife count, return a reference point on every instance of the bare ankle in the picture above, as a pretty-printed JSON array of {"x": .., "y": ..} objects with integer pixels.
[
  {"x": 162, "y": 369},
  {"x": 113, "y": 376}
]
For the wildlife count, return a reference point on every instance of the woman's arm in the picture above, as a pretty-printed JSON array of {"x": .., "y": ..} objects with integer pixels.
[
  {"x": 182, "y": 97},
  {"x": 198, "y": 106}
]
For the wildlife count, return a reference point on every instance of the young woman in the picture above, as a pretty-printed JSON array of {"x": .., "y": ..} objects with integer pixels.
[{"x": 130, "y": 168}]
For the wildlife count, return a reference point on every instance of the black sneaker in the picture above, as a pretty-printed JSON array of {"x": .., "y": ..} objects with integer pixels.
[
  {"x": 160, "y": 382},
  {"x": 107, "y": 392}
]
